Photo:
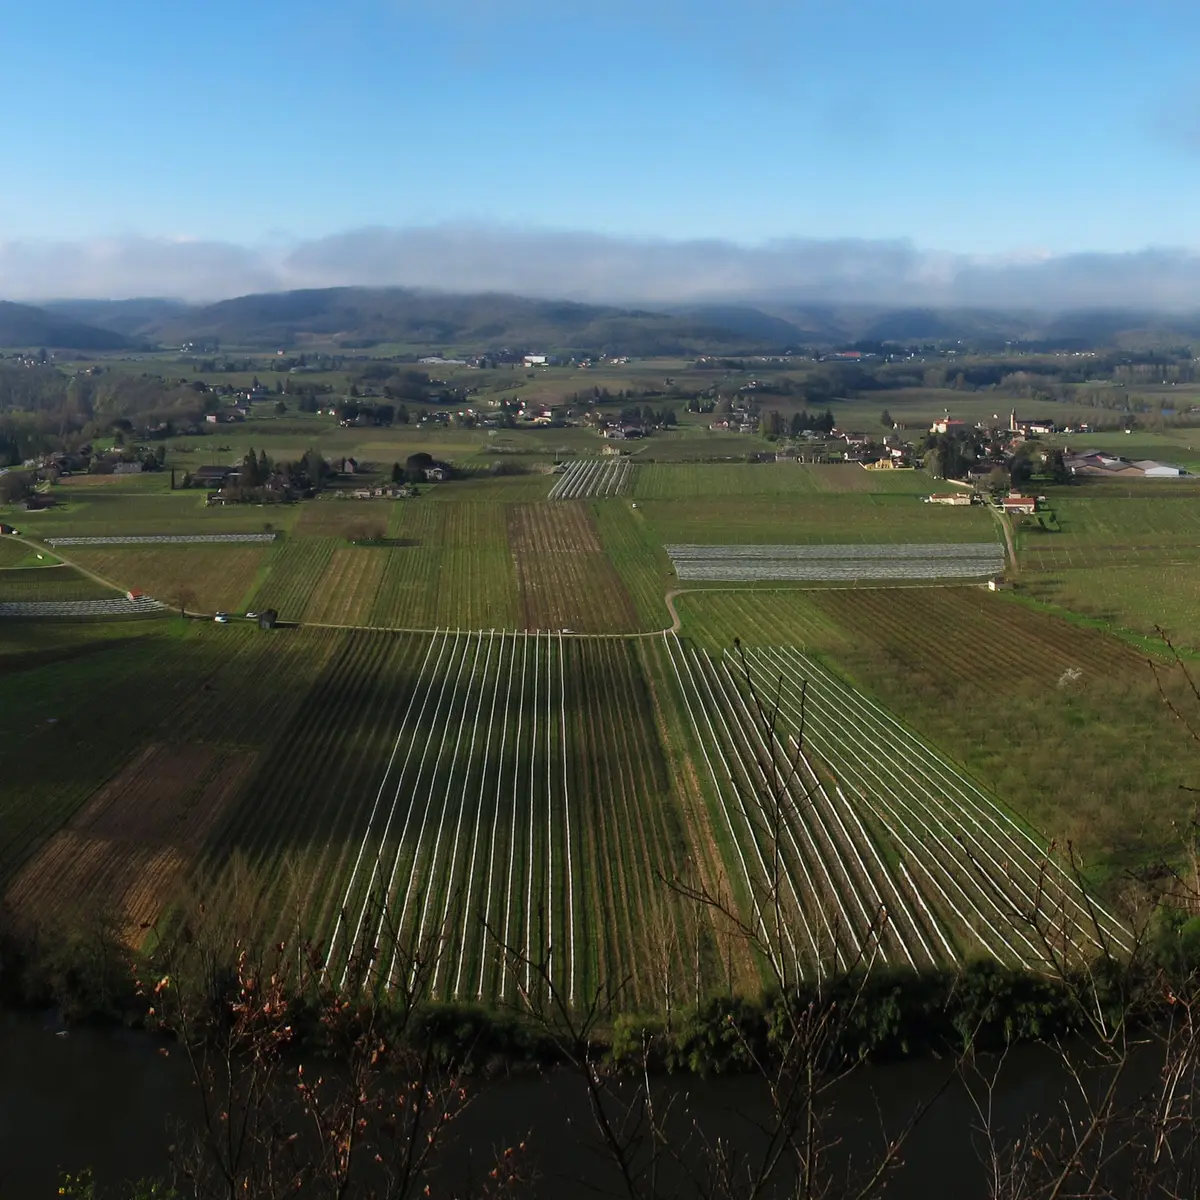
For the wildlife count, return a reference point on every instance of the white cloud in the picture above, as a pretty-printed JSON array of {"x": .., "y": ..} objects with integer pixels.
[{"x": 586, "y": 266}]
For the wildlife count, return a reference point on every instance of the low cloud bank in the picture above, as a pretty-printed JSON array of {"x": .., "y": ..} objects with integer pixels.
[{"x": 592, "y": 267}]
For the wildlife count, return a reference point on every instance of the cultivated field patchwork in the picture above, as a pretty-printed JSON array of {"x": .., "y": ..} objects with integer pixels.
[{"x": 468, "y": 793}]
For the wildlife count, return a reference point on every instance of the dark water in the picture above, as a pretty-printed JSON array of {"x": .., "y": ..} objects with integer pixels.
[{"x": 111, "y": 1101}]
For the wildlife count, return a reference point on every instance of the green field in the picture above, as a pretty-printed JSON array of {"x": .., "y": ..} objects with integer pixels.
[
  {"x": 477, "y": 715},
  {"x": 677, "y": 481},
  {"x": 819, "y": 519},
  {"x": 1127, "y": 557},
  {"x": 50, "y": 583}
]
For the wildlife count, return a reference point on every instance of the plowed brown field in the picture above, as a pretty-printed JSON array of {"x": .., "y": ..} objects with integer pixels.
[
  {"x": 126, "y": 849},
  {"x": 566, "y": 580}
]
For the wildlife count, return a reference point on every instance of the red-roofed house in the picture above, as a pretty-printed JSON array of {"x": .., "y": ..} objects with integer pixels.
[{"x": 1013, "y": 503}]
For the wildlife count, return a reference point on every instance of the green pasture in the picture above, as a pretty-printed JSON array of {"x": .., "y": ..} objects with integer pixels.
[
  {"x": 638, "y": 556},
  {"x": 817, "y": 518},
  {"x": 97, "y": 512},
  {"x": 289, "y": 437},
  {"x": 1142, "y": 599},
  {"x": 661, "y": 481},
  {"x": 14, "y": 553},
  {"x": 776, "y": 616},
  {"x": 1102, "y": 525},
  {"x": 50, "y": 583}
]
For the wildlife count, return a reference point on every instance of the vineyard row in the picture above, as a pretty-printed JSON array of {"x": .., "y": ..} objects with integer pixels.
[
  {"x": 592, "y": 477},
  {"x": 469, "y": 845},
  {"x": 848, "y": 836}
]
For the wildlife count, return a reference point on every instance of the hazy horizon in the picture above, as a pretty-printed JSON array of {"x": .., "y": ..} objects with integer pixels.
[{"x": 592, "y": 268}]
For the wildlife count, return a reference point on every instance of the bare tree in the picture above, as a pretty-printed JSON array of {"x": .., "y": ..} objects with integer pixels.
[
  {"x": 311, "y": 1085},
  {"x": 184, "y": 598}
]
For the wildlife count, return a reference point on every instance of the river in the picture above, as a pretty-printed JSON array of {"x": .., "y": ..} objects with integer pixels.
[{"x": 111, "y": 1101}]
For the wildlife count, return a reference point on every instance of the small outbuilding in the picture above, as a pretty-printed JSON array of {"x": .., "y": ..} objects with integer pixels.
[{"x": 268, "y": 618}]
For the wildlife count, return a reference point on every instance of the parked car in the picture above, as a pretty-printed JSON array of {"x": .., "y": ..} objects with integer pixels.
[{"x": 221, "y": 618}]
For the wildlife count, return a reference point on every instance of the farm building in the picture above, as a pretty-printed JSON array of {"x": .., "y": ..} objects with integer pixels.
[
  {"x": 1157, "y": 470},
  {"x": 1113, "y": 465},
  {"x": 1019, "y": 504},
  {"x": 268, "y": 618},
  {"x": 212, "y": 476},
  {"x": 953, "y": 498}
]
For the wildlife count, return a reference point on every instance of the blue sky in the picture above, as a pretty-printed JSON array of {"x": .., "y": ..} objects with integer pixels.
[{"x": 970, "y": 128}]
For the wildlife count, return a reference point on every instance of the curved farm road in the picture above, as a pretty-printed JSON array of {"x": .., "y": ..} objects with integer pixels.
[
  {"x": 1006, "y": 529},
  {"x": 38, "y": 549},
  {"x": 669, "y": 599}
]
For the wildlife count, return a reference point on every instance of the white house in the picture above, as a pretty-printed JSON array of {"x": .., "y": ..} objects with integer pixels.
[{"x": 947, "y": 425}]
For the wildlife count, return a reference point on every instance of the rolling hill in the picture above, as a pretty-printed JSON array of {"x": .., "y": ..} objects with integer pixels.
[
  {"x": 138, "y": 319},
  {"x": 366, "y": 316},
  {"x": 24, "y": 327},
  {"x": 361, "y": 318}
]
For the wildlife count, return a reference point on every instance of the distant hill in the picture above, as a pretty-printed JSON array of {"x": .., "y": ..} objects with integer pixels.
[
  {"x": 360, "y": 318},
  {"x": 23, "y": 326},
  {"x": 137, "y": 319},
  {"x": 365, "y": 316},
  {"x": 754, "y": 323}
]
